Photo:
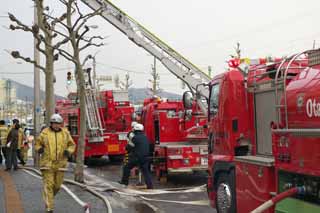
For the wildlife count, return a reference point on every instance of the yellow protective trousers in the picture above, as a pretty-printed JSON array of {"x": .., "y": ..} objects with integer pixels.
[
  {"x": 52, "y": 180},
  {"x": 24, "y": 153}
]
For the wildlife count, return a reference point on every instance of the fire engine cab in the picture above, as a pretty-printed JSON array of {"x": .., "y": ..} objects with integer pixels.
[
  {"x": 264, "y": 138},
  {"x": 177, "y": 135}
]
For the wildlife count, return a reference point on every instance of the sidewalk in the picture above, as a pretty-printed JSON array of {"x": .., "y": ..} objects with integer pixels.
[{"x": 24, "y": 192}]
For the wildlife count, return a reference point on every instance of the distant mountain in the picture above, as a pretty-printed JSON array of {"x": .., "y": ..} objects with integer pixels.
[
  {"x": 24, "y": 91},
  {"x": 137, "y": 95}
]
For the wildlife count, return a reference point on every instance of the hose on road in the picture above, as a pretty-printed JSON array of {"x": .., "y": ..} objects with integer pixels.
[
  {"x": 74, "y": 196},
  {"x": 83, "y": 186},
  {"x": 268, "y": 204}
]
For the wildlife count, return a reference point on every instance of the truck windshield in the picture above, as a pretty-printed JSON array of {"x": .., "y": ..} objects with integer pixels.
[{"x": 214, "y": 99}]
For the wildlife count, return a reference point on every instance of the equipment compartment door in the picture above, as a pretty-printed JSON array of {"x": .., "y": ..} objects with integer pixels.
[{"x": 265, "y": 113}]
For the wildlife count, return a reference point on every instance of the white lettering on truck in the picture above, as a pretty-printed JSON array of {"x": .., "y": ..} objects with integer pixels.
[{"x": 313, "y": 108}]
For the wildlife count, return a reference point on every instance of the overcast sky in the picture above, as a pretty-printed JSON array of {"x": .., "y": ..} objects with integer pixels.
[{"x": 204, "y": 31}]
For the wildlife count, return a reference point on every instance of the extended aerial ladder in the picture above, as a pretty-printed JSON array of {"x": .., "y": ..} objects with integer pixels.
[{"x": 183, "y": 69}]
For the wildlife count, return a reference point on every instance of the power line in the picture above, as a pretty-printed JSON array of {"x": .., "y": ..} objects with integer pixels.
[
  {"x": 129, "y": 70},
  {"x": 15, "y": 73}
]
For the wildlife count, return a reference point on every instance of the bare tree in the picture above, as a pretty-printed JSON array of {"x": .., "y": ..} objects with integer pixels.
[
  {"x": 44, "y": 33},
  {"x": 77, "y": 29},
  {"x": 116, "y": 81},
  {"x": 127, "y": 83}
]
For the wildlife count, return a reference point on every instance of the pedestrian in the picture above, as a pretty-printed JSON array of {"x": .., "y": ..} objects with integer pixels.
[
  {"x": 11, "y": 147},
  {"x": 3, "y": 140},
  {"x": 138, "y": 156},
  {"x": 55, "y": 145},
  {"x": 25, "y": 147},
  {"x": 21, "y": 138}
]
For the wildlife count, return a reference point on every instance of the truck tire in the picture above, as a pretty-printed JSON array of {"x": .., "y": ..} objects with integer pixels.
[
  {"x": 116, "y": 158},
  {"x": 225, "y": 188}
]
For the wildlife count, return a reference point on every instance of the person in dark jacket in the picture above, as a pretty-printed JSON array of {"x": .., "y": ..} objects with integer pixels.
[
  {"x": 21, "y": 138},
  {"x": 12, "y": 147},
  {"x": 138, "y": 156}
]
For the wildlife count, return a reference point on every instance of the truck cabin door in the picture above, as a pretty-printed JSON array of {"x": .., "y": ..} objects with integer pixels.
[{"x": 213, "y": 115}]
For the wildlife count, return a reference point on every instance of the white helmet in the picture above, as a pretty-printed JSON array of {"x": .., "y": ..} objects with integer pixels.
[
  {"x": 133, "y": 123},
  {"x": 56, "y": 118},
  {"x": 138, "y": 127}
]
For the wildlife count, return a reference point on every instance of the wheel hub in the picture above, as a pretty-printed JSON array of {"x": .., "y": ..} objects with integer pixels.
[{"x": 224, "y": 198}]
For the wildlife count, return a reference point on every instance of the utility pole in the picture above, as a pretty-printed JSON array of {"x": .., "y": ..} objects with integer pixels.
[
  {"x": 155, "y": 77},
  {"x": 36, "y": 87},
  {"x": 26, "y": 109}
]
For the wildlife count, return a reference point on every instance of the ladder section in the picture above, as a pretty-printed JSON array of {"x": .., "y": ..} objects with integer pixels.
[
  {"x": 93, "y": 116},
  {"x": 183, "y": 69}
]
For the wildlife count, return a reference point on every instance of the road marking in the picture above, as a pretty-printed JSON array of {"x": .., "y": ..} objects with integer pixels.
[{"x": 12, "y": 199}]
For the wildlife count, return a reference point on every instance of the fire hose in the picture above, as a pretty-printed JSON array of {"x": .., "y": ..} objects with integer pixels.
[
  {"x": 97, "y": 194},
  {"x": 75, "y": 197},
  {"x": 266, "y": 205}
]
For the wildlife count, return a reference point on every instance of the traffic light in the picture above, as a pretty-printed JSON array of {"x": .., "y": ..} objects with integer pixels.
[{"x": 68, "y": 78}]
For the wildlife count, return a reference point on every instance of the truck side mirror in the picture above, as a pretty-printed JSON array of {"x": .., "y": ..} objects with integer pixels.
[{"x": 187, "y": 99}]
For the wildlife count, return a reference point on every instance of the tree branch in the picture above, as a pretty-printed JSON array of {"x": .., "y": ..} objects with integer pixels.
[
  {"x": 86, "y": 29},
  {"x": 57, "y": 20},
  {"x": 21, "y": 26},
  {"x": 60, "y": 19},
  {"x": 16, "y": 55},
  {"x": 89, "y": 45},
  {"x": 85, "y": 18},
  {"x": 66, "y": 55},
  {"x": 92, "y": 38},
  {"x": 59, "y": 44},
  {"x": 78, "y": 9},
  {"x": 60, "y": 33}
]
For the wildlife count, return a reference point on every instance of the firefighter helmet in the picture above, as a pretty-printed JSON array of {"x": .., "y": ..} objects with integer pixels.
[
  {"x": 56, "y": 118},
  {"x": 133, "y": 123},
  {"x": 138, "y": 127}
]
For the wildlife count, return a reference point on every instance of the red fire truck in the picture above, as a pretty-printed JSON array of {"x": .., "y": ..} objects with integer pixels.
[
  {"x": 251, "y": 109},
  {"x": 178, "y": 137},
  {"x": 112, "y": 113},
  {"x": 178, "y": 133}
]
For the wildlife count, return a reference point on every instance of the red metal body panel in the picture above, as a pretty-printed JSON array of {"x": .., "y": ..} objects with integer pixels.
[
  {"x": 295, "y": 152},
  {"x": 299, "y": 152},
  {"x": 179, "y": 142},
  {"x": 253, "y": 183},
  {"x": 116, "y": 119}
]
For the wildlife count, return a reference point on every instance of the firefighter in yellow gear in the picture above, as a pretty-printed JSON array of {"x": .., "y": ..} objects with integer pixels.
[
  {"x": 55, "y": 145},
  {"x": 3, "y": 140},
  {"x": 25, "y": 146}
]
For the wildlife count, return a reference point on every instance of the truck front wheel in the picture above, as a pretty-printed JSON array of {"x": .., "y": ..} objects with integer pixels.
[{"x": 225, "y": 199}]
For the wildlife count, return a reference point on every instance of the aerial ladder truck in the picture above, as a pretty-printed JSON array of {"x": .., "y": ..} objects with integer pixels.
[{"x": 188, "y": 148}]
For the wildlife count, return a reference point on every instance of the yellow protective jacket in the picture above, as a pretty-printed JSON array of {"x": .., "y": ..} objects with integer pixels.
[
  {"x": 3, "y": 135},
  {"x": 54, "y": 144}
]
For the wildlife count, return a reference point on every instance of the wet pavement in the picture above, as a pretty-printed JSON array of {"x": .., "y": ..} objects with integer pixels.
[
  {"x": 107, "y": 171},
  {"x": 104, "y": 175}
]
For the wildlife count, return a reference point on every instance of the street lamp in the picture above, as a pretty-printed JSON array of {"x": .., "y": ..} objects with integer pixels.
[{"x": 93, "y": 26}]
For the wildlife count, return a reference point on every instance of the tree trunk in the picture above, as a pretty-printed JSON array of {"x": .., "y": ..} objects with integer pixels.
[
  {"x": 50, "y": 104},
  {"x": 78, "y": 173}
]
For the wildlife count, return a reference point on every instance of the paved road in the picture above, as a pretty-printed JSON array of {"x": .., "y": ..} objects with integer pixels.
[
  {"x": 104, "y": 173},
  {"x": 111, "y": 172}
]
